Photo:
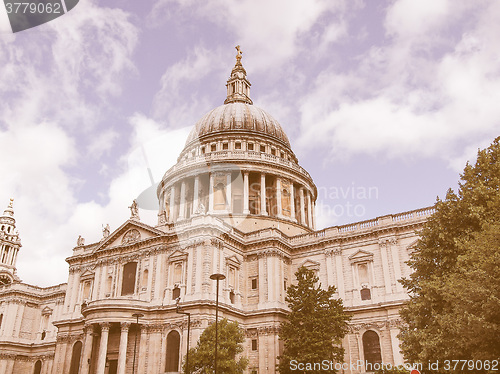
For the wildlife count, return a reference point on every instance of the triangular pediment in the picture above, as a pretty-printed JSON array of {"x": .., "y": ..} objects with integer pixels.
[
  {"x": 177, "y": 255},
  {"x": 361, "y": 256},
  {"x": 310, "y": 264},
  {"x": 87, "y": 274},
  {"x": 413, "y": 246},
  {"x": 233, "y": 260},
  {"x": 129, "y": 232},
  {"x": 46, "y": 311}
]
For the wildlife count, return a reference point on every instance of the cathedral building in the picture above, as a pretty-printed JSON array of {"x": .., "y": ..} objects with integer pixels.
[{"x": 236, "y": 203}]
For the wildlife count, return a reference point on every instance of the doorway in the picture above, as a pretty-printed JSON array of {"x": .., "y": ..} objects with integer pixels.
[{"x": 113, "y": 366}]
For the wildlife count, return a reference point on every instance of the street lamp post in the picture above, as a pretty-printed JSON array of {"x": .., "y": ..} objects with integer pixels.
[
  {"x": 189, "y": 325},
  {"x": 137, "y": 316},
  {"x": 216, "y": 277}
]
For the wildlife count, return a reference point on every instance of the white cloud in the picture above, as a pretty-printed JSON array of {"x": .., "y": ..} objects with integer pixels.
[
  {"x": 401, "y": 101},
  {"x": 65, "y": 71},
  {"x": 275, "y": 31},
  {"x": 68, "y": 68},
  {"x": 50, "y": 219},
  {"x": 177, "y": 102}
]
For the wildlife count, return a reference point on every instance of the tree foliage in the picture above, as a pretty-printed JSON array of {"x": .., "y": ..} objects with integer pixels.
[
  {"x": 454, "y": 307},
  {"x": 315, "y": 326},
  {"x": 229, "y": 338}
]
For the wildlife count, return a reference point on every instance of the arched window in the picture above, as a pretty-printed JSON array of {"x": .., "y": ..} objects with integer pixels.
[
  {"x": 220, "y": 197},
  {"x": 128, "y": 283},
  {"x": 75, "y": 358},
  {"x": 285, "y": 202},
  {"x": 86, "y": 290},
  {"x": 176, "y": 293},
  {"x": 366, "y": 294},
  {"x": 109, "y": 285},
  {"x": 371, "y": 348},
  {"x": 38, "y": 367},
  {"x": 173, "y": 346},
  {"x": 144, "y": 281}
]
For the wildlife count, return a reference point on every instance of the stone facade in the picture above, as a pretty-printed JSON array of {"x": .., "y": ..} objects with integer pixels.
[{"x": 238, "y": 203}]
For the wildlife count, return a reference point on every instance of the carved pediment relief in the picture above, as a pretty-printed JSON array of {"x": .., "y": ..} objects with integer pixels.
[
  {"x": 361, "y": 256},
  {"x": 128, "y": 233},
  {"x": 131, "y": 236}
]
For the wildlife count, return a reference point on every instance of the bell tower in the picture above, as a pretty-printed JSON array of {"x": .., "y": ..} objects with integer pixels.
[{"x": 9, "y": 245}]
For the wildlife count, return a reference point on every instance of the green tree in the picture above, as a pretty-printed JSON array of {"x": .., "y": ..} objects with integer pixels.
[
  {"x": 454, "y": 307},
  {"x": 230, "y": 338},
  {"x": 315, "y": 326}
]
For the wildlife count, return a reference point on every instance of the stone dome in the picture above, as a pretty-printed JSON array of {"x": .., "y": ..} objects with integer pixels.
[{"x": 238, "y": 116}]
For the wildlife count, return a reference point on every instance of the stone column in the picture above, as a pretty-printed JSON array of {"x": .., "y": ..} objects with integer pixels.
[
  {"x": 182, "y": 203},
  {"x": 313, "y": 213},
  {"x": 278, "y": 197},
  {"x": 302, "y": 206},
  {"x": 263, "y": 208},
  {"x": 15, "y": 256},
  {"x": 385, "y": 266},
  {"x": 229, "y": 202},
  {"x": 340, "y": 274},
  {"x": 309, "y": 210},
  {"x": 211, "y": 194},
  {"x": 292, "y": 202},
  {"x": 103, "y": 348},
  {"x": 246, "y": 197},
  {"x": 122, "y": 350},
  {"x": 87, "y": 349},
  {"x": 9, "y": 255},
  {"x": 195, "y": 193},
  {"x": 172, "y": 203},
  {"x": 395, "y": 263},
  {"x": 329, "y": 269}
]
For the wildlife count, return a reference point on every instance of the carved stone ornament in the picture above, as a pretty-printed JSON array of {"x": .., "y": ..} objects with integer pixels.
[{"x": 131, "y": 236}]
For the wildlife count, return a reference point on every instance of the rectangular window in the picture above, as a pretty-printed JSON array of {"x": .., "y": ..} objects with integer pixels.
[
  {"x": 213, "y": 147},
  {"x": 273, "y": 151},
  {"x": 202, "y": 150},
  {"x": 225, "y": 146},
  {"x": 250, "y": 146},
  {"x": 254, "y": 344},
  {"x": 254, "y": 283},
  {"x": 237, "y": 145},
  {"x": 128, "y": 283},
  {"x": 262, "y": 148}
]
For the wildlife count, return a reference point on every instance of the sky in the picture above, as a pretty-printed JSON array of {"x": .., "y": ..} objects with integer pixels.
[{"x": 384, "y": 102}]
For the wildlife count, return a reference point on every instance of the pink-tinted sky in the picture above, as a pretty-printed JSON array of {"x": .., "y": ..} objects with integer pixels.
[{"x": 384, "y": 102}]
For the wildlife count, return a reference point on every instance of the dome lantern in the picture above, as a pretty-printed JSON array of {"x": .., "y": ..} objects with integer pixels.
[{"x": 238, "y": 86}]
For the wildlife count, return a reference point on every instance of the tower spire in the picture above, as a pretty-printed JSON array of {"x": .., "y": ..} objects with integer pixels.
[
  {"x": 9, "y": 245},
  {"x": 238, "y": 86}
]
